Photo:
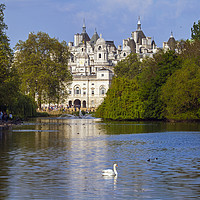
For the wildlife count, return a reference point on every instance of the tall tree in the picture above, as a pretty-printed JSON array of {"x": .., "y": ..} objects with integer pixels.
[
  {"x": 181, "y": 93},
  {"x": 43, "y": 64},
  {"x": 195, "y": 31},
  {"x": 8, "y": 78},
  {"x": 129, "y": 67},
  {"x": 154, "y": 75}
]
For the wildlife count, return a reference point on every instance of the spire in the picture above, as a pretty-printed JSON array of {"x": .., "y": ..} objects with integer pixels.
[
  {"x": 84, "y": 27},
  {"x": 171, "y": 35},
  {"x": 139, "y": 24}
]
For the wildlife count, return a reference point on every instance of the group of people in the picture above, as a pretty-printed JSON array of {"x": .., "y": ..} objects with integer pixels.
[{"x": 4, "y": 116}]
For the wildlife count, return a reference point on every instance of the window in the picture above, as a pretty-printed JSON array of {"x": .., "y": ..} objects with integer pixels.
[
  {"x": 92, "y": 92},
  {"x": 77, "y": 90},
  {"x": 92, "y": 83},
  {"x": 124, "y": 54},
  {"x": 99, "y": 55},
  {"x": 102, "y": 90},
  {"x": 99, "y": 48},
  {"x": 84, "y": 92},
  {"x": 102, "y": 75}
]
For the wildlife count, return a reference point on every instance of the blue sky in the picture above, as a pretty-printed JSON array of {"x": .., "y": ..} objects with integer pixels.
[{"x": 114, "y": 19}]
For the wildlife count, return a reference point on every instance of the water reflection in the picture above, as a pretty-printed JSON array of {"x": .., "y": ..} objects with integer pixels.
[{"x": 63, "y": 159}]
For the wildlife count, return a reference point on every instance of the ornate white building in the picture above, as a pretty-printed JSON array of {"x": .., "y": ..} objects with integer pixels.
[
  {"x": 91, "y": 64},
  {"x": 140, "y": 44}
]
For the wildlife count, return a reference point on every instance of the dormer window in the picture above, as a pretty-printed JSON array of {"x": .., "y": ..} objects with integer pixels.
[{"x": 99, "y": 48}]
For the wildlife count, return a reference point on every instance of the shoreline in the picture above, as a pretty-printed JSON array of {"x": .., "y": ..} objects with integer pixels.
[{"x": 9, "y": 124}]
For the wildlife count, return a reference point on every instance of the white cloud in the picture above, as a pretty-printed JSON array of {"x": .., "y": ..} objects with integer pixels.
[{"x": 137, "y": 6}]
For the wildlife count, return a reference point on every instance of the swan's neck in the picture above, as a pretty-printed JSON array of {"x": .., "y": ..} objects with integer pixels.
[{"x": 114, "y": 169}]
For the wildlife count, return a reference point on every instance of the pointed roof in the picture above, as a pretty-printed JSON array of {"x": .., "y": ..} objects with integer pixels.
[
  {"x": 172, "y": 42},
  {"x": 84, "y": 33},
  {"x": 94, "y": 38}
]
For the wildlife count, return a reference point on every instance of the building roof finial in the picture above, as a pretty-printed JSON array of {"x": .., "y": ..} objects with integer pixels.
[
  {"x": 171, "y": 34},
  {"x": 139, "y": 24},
  {"x": 139, "y": 20},
  {"x": 84, "y": 27}
]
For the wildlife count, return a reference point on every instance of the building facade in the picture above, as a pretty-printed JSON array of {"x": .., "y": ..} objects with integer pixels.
[{"x": 92, "y": 60}]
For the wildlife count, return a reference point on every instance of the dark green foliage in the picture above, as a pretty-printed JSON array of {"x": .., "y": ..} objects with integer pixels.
[
  {"x": 11, "y": 100},
  {"x": 195, "y": 31},
  {"x": 140, "y": 97},
  {"x": 153, "y": 77},
  {"x": 181, "y": 93},
  {"x": 9, "y": 84},
  {"x": 122, "y": 101},
  {"x": 129, "y": 67},
  {"x": 23, "y": 106}
]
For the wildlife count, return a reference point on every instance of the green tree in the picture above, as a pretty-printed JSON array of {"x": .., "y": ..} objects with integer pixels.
[
  {"x": 195, "y": 31},
  {"x": 122, "y": 101},
  {"x": 128, "y": 67},
  {"x": 155, "y": 74},
  {"x": 9, "y": 86},
  {"x": 191, "y": 50},
  {"x": 181, "y": 93},
  {"x": 43, "y": 65}
]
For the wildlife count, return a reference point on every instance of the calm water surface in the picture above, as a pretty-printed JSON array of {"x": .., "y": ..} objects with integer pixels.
[{"x": 60, "y": 158}]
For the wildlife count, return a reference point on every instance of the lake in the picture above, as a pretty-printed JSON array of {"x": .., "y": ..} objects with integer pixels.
[{"x": 62, "y": 158}]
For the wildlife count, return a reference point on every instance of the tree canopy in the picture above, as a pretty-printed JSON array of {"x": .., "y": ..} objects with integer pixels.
[
  {"x": 195, "y": 31},
  {"x": 11, "y": 99},
  {"x": 129, "y": 67},
  {"x": 181, "y": 93},
  {"x": 8, "y": 80},
  {"x": 42, "y": 63},
  {"x": 137, "y": 93},
  {"x": 163, "y": 87}
]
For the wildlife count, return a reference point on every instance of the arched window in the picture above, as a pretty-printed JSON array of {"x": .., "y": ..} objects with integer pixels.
[
  {"x": 102, "y": 90},
  {"x": 99, "y": 48},
  {"x": 99, "y": 55},
  {"x": 84, "y": 104},
  {"x": 77, "y": 90}
]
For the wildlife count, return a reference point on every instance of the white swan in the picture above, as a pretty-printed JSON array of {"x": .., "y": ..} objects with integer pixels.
[{"x": 110, "y": 172}]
